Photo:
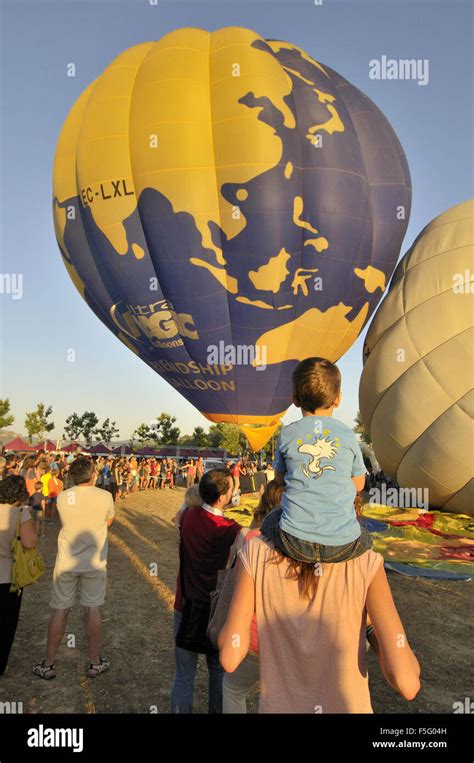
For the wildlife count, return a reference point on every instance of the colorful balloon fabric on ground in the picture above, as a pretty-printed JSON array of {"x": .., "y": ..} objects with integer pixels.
[
  {"x": 426, "y": 544},
  {"x": 416, "y": 390},
  {"x": 201, "y": 184}
]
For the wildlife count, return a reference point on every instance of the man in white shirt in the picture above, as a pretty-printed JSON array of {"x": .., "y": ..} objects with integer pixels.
[{"x": 81, "y": 562}]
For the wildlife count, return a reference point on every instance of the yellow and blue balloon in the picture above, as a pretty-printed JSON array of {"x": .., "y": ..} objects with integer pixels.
[{"x": 228, "y": 206}]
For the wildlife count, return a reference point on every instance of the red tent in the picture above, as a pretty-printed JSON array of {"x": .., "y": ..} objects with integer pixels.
[
  {"x": 19, "y": 444},
  {"x": 188, "y": 452},
  {"x": 73, "y": 447},
  {"x": 122, "y": 450},
  {"x": 98, "y": 449},
  {"x": 166, "y": 452},
  {"x": 212, "y": 453},
  {"x": 48, "y": 445},
  {"x": 147, "y": 452}
]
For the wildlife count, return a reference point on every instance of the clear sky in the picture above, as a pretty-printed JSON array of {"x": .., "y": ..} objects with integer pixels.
[{"x": 434, "y": 123}]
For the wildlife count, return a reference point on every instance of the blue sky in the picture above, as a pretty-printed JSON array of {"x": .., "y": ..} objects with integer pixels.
[{"x": 434, "y": 124}]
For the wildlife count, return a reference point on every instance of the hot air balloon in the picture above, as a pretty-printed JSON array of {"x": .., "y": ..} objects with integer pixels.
[
  {"x": 227, "y": 206},
  {"x": 416, "y": 396}
]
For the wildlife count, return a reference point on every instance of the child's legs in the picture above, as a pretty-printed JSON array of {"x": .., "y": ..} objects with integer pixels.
[
  {"x": 333, "y": 554},
  {"x": 306, "y": 551}
]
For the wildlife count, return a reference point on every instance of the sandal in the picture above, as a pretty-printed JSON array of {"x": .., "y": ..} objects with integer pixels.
[
  {"x": 48, "y": 672},
  {"x": 95, "y": 670}
]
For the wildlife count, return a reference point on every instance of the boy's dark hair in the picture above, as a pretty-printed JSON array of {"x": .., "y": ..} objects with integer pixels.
[
  {"x": 81, "y": 470},
  {"x": 13, "y": 490},
  {"x": 213, "y": 484},
  {"x": 316, "y": 384}
]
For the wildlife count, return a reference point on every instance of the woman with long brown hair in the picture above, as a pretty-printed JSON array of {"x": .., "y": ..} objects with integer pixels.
[{"x": 312, "y": 631}]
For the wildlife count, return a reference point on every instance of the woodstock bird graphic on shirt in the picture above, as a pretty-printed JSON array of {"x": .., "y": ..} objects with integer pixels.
[{"x": 323, "y": 448}]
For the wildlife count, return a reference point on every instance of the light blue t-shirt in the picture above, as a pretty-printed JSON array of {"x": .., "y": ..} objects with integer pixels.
[{"x": 319, "y": 455}]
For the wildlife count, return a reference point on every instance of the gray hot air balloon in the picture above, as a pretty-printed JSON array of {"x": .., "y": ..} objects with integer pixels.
[{"x": 416, "y": 390}]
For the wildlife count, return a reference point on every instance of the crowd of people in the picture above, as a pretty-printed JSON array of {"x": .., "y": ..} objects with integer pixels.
[
  {"x": 32, "y": 487},
  {"x": 304, "y": 594},
  {"x": 47, "y": 474}
]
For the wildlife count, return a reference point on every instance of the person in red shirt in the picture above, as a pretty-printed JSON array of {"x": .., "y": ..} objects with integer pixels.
[
  {"x": 55, "y": 486},
  {"x": 236, "y": 472},
  {"x": 190, "y": 472},
  {"x": 153, "y": 474},
  {"x": 199, "y": 468},
  {"x": 206, "y": 537}
]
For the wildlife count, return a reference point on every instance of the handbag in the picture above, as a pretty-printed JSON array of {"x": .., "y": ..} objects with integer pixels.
[
  {"x": 191, "y": 633},
  {"x": 222, "y": 596},
  {"x": 28, "y": 564}
]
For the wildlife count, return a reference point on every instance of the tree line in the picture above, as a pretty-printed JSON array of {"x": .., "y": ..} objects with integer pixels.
[{"x": 160, "y": 431}]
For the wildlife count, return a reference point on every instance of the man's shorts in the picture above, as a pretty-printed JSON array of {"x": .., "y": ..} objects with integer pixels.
[{"x": 92, "y": 586}]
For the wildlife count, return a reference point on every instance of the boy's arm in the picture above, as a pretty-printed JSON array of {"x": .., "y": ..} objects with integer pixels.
[
  {"x": 279, "y": 464},
  {"x": 358, "y": 467}
]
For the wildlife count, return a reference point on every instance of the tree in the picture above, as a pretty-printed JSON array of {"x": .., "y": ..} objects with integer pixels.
[
  {"x": 215, "y": 435},
  {"x": 163, "y": 432},
  {"x": 5, "y": 419},
  {"x": 106, "y": 432},
  {"x": 143, "y": 434},
  {"x": 226, "y": 436},
  {"x": 186, "y": 439},
  {"x": 73, "y": 427},
  {"x": 231, "y": 439},
  {"x": 199, "y": 437},
  {"x": 361, "y": 430},
  {"x": 36, "y": 422},
  {"x": 89, "y": 422}
]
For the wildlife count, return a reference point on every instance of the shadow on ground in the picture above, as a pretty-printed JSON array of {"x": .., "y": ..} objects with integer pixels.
[{"x": 143, "y": 560}]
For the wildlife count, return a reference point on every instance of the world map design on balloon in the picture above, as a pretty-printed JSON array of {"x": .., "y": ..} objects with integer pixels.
[{"x": 219, "y": 190}]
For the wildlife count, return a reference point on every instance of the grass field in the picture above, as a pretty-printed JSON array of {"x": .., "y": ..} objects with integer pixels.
[{"x": 138, "y": 630}]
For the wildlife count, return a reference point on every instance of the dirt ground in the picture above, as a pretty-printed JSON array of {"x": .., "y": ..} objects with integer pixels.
[{"x": 137, "y": 616}]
